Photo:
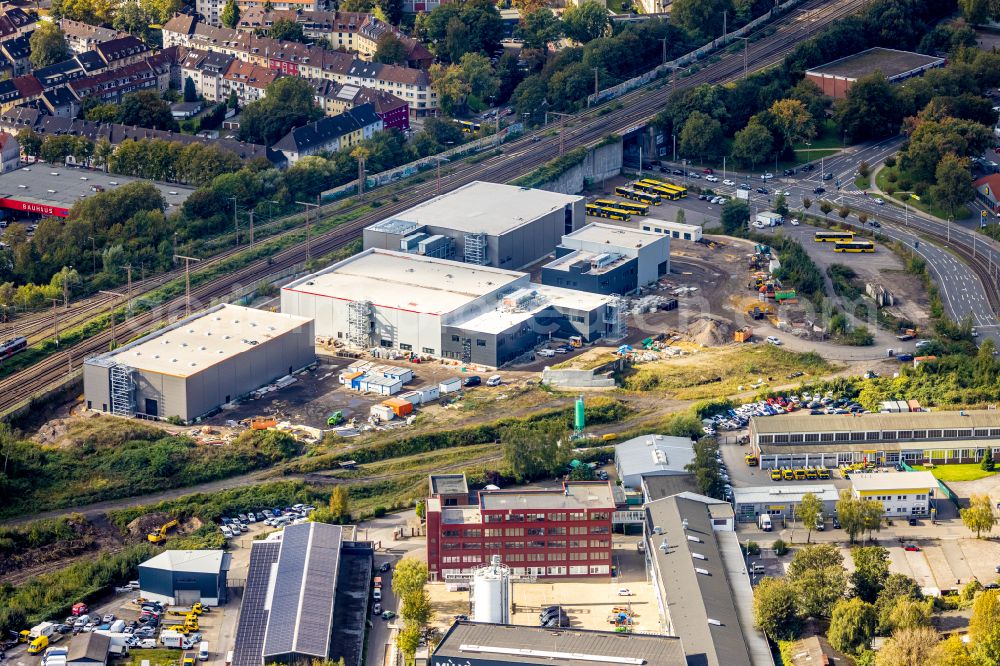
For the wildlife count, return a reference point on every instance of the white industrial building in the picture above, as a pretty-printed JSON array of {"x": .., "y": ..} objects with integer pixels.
[
  {"x": 652, "y": 455},
  {"x": 903, "y": 494},
  {"x": 781, "y": 500},
  {"x": 488, "y": 224},
  {"x": 608, "y": 259},
  {"x": 448, "y": 309},
  {"x": 196, "y": 365},
  {"x": 678, "y": 230}
]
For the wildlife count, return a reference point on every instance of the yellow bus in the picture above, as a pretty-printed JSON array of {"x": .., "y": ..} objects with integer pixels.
[
  {"x": 652, "y": 199},
  {"x": 653, "y": 188},
  {"x": 468, "y": 126},
  {"x": 634, "y": 208},
  {"x": 668, "y": 185},
  {"x": 833, "y": 236},
  {"x": 855, "y": 246},
  {"x": 607, "y": 212}
]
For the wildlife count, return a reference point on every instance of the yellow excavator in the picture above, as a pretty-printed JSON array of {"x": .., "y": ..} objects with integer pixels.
[{"x": 159, "y": 535}]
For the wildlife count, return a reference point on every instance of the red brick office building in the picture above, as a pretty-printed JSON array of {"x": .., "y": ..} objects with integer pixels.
[{"x": 544, "y": 533}]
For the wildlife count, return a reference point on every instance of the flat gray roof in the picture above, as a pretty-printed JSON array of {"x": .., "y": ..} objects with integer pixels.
[
  {"x": 516, "y": 644},
  {"x": 614, "y": 235},
  {"x": 826, "y": 492},
  {"x": 203, "y": 340},
  {"x": 492, "y": 208},
  {"x": 891, "y": 62},
  {"x": 652, "y": 454},
  {"x": 658, "y": 487},
  {"x": 804, "y": 422},
  {"x": 908, "y": 445},
  {"x": 573, "y": 495},
  {"x": 449, "y": 484},
  {"x": 62, "y": 186},
  {"x": 694, "y": 581}
]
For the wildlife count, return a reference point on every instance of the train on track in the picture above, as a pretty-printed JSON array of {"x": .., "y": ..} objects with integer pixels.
[{"x": 12, "y": 346}]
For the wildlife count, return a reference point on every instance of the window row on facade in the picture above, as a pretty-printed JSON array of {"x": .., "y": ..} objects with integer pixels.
[{"x": 876, "y": 435}]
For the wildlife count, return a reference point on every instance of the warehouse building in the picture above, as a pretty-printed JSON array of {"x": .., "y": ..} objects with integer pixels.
[
  {"x": 537, "y": 523},
  {"x": 448, "y": 309},
  {"x": 780, "y": 501},
  {"x": 608, "y": 259},
  {"x": 831, "y": 440},
  {"x": 487, "y": 224},
  {"x": 652, "y": 455},
  {"x": 903, "y": 494},
  {"x": 185, "y": 577},
  {"x": 306, "y": 598},
  {"x": 836, "y": 78},
  {"x": 484, "y": 644},
  {"x": 194, "y": 366},
  {"x": 701, "y": 583}
]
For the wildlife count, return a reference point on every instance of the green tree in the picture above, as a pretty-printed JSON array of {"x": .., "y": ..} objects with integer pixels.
[
  {"x": 781, "y": 204},
  {"x": 30, "y": 142},
  {"x": 852, "y": 625},
  {"x": 871, "y": 569},
  {"x": 872, "y": 515},
  {"x": 230, "y": 15},
  {"x": 586, "y": 21},
  {"x": 953, "y": 183},
  {"x": 774, "y": 609},
  {"x": 843, "y": 212},
  {"x": 539, "y": 29},
  {"x": 289, "y": 103},
  {"x": 390, "y": 50},
  {"x": 793, "y": 121},
  {"x": 810, "y": 511},
  {"x": 131, "y": 18},
  {"x": 702, "y": 19},
  {"x": 978, "y": 12},
  {"x": 533, "y": 450},
  {"x": 897, "y": 587},
  {"x": 705, "y": 467},
  {"x": 818, "y": 577},
  {"x": 339, "y": 505},
  {"x": 190, "y": 93},
  {"x": 870, "y": 109},
  {"x": 952, "y": 651},
  {"x": 161, "y": 11},
  {"x": 409, "y": 577},
  {"x": 735, "y": 216},
  {"x": 826, "y": 207},
  {"x": 408, "y": 639},
  {"x": 909, "y": 647},
  {"x": 416, "y": 607},
  {"x": 979, "y": 517},
  {"x": 451, "y": 87},
  {"x": 48, "y": 45},
  {"x": 701, "y": 136},
  {"x": 818, "y": 556},
  {"x": 806, "y": 203},
  {"x": 287, "y": 30},
  {"x": 752, "y": 144},
  {"x": 392, "y": 9},
  {"x": 147, "y": 109},
  {"x": 680, "y": 217}
]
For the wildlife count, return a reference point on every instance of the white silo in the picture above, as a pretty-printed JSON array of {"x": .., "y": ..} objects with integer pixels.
[{"x": 491, "y": 593}]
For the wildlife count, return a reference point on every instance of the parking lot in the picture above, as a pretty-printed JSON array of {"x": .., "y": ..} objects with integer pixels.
[
  {"x": 588, "y": 603},
  {"x": 941, "y": 564}
]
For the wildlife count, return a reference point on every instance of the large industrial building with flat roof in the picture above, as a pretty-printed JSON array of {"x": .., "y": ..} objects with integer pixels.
[
  {"x": 701, "y": 583},
  {"x": 484, "y": 644},
  {"x": 48, "y": 190},
  {"x": 538, "y": 530},
  {"x": 608, "y": 259},
  {"x": 196, "y": 365},
  {"x": 836, "y": 78},
  {"x": 481, "y": 223},
  {"x": 652, "y": 455},
  {"x": 831, "y": 440},
  {"x": 305, "y": 598},
  {"x": 443, "y": 308},
  {"x": 185, "y": 577}
]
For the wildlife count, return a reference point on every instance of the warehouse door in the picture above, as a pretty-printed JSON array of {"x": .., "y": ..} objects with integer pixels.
[
  {"x": 187, "y": 597},
  {"x": 152, "y": 407}
]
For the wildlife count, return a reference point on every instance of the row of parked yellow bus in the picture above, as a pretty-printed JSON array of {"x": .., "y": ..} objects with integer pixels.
[
  {"x": 844, "y": 241},
  {"x": 639, "y": 197}
]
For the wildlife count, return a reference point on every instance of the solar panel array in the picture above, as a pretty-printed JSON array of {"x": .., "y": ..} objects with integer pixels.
[
  {"x": 281, "y": 625},
  {"x": 253, "y": 615},
  {"x": 316, "y": 619}
]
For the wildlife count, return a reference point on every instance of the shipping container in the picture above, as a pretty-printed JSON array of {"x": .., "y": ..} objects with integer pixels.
[
  {"x": 399, "y": 407},
  {"x": 383, "y": 412},
  {"x": 450, "y": 385},
  {"x": 428, "y": 393},
  {"x": 412, "y": 397}
]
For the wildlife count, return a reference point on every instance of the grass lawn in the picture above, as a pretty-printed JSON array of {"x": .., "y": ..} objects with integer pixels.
[
  {"x": 882, "y": 180},
  {"x": 967, "y": 472},
  {"x": 156, "y": 657}
]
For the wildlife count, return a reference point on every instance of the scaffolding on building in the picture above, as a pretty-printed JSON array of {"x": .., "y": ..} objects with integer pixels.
[
  {"x": 122, "y": 390},
  {"x": 616, "y": 318},
  {"x": 476, "y": 249},
  {"x": 360, "y": 315}
]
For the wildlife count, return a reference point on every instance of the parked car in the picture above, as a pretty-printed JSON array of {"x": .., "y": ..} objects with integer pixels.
[
  {"x": 377, "y": 609},
  {"x": 827, "y": 176},
  {"x": 712, "y": 179},
  {"x": 819, "y": 190},
  {"x": 729, "y": 182},
  {"x": 624, "y": 592},
  {"x": 912, "y": 547},
  {"x": 472, "y": 380},
  {"x": 772, "y": 340}
]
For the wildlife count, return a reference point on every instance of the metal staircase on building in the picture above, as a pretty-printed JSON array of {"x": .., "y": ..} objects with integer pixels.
[
  {"x": 360, "y": 315},
  {"x": 616, "y": 318},
  {"x": 122, "y": 390},
  {"x": 476, "y": 249}
]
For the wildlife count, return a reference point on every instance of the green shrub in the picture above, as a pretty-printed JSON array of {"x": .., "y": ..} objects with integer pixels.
[
  {"x": 752, "y": 549},
  {"x": 779, "y": 547}
]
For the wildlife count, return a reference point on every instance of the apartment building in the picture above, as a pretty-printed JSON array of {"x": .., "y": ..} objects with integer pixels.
[
  {"x": 111, "y": 86},
  {"x": 16, "y": 52},
  {"x": 248, "y": 81},
  {"x": 82, "y": 37},
  {"x": 544, "y": 533},
  {"x": 330, "y": 134},
  {"x": 336, "y": 98},
  {"x": 123, "y": 51},
  {"x": 206, "y": 70},
  {"x": 14, "y": 22}
]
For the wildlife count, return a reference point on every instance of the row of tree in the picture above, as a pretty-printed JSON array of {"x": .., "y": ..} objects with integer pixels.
[{"x": 409, "y": 582}]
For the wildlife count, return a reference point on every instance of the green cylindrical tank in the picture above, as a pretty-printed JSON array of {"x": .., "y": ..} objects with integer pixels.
[{"x": 579, "y": 421}]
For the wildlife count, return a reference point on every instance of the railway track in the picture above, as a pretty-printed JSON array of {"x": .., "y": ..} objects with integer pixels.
[{"x": 517, "y": 158}]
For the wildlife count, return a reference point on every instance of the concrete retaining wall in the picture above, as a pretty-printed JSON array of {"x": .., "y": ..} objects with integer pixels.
[
  {"x": 578, "y": 379},
  {"x": 603, "y": 162}
]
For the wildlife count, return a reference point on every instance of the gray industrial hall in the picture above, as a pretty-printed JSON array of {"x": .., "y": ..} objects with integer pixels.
[
  {"x": 194, "y": 366},
  {"x": 487, "y": 224},
  {"x": 185, "y": 577}
]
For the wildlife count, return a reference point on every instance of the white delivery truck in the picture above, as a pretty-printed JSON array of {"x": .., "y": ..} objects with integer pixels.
[
  {"x": 203, "y": 651},
  {"x": 764, "y": 522},
  {"x": 44, "y": 629},
  {"x": 174, "y": 639},
  {"x": 768, "y": 219}
]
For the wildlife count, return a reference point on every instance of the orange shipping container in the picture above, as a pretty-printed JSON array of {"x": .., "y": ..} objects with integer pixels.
[{"x": 399, "y": 406}]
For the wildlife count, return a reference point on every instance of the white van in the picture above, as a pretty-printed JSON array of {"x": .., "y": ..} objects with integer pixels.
[
  {"x": 495, "y": 380},
  {"x": 203, "y": 651},
  {"x": 764, "y": 522}
]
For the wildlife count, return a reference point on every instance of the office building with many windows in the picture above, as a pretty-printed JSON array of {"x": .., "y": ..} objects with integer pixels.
[{"x": 537, "y": 533}]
